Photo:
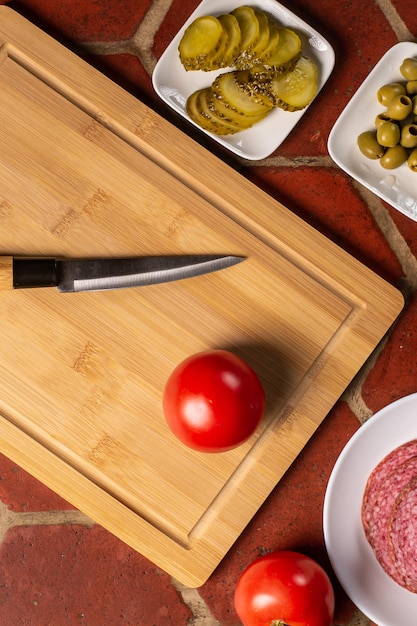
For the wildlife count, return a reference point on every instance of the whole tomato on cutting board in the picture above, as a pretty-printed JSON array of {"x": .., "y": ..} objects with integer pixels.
[
  {"x": 284, "y": 588},
  {"x": 213, "y": 401}
]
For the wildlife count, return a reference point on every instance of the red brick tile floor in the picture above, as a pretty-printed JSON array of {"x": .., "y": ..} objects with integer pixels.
[{"x": 58, "y": 567}]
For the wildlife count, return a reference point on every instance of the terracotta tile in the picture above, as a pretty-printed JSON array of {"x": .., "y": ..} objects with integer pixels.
[
  {"x": 395, "y": 372},
  {"x": 21, "y": 492},
  {"x": 72, "y": 575},
  {"x": 95, "y": 20},
  {"x": 407, "y": 14},
  {"x": 406, "y": 228}
]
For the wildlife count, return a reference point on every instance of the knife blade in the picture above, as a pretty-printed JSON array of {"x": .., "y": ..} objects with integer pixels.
[{"x": 74, "y": 275}]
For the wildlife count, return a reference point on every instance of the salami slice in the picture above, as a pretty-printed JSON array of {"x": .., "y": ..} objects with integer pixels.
[
  {"x": 380, "y": 519},
  {"x": 378, "y": 476},
  {"x": 389, "y": 514},
  {"x": 402, "y": 535}
]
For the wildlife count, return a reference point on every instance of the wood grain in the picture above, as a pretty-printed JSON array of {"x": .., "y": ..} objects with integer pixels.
[
  {"x": 88, "y": 170},
  {"x": 6, "y": 273}
]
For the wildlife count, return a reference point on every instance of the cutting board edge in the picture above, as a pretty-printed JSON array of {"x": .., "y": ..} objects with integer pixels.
[{"x": 102, "y": 508}]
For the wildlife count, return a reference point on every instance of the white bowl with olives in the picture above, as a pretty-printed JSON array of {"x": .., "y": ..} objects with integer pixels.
[{"x": 375, "y": 138}]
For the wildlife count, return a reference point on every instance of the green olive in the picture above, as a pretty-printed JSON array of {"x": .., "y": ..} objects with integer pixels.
[
  {"x": 387, "y": 92},
  {"x": 412, "y": 161},
  {"x": 369, "y": 146},
  {"x": 409, "y": 69},
  {"x": 400, "y": 107},
  {"x": 414, "y": 108},
  {"x": 409, "y": 136},
  {"x": 380, "y": 119},
  {"x": 394, "y": 157},
  {"x": 388, "y": 134},
  {"x": 411, "y": 88}
]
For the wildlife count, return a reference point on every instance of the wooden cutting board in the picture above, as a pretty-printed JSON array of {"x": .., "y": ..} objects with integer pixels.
[{"x": 88, "y": 170}]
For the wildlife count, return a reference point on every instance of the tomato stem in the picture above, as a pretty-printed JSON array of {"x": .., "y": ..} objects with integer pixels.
[{"x": 278, "y": 622}]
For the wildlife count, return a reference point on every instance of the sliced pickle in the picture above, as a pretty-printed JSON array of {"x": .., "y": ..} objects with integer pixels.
[
  {"x": 263, "y": 38},
  {"x": 296, "y": 89},
  {"x": 287, "y": 52},
  {"x": 257, "y": 88},
  {"x": 191, "y": 107},
  {"x": 218, "y": 124},
  {"x": 202, "y": 110},
  {"x": 229, "y": 87},
  {"x": 200, "y": 43},
  {"x": 262, "y": 74},
  {"x": 234, "y": 37},
  {"x": 224, "y": 115},
  {"x": 215, "y": 61},
  {"x": 273, "y": 41},
  {"x": 249, "y": 56},
  {"x": 204, "y": 118},
  {"x": 249, "y": 26},
  {"x": 224, "y": 111}
]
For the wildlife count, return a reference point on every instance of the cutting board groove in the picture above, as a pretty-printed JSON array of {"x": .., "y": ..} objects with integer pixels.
[{"x": 88, "y": 170}]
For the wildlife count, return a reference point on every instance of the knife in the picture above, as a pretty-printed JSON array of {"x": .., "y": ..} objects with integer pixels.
[{"x": 69, "y": 275}]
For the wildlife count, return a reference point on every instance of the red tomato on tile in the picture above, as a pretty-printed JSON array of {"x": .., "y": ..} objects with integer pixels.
[{"x": 284, "y": 588}]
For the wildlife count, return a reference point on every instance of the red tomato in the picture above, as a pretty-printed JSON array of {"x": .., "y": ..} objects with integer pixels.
[
  {"x": 284, "y": 588},
  {"x": 213, "y": 401}
]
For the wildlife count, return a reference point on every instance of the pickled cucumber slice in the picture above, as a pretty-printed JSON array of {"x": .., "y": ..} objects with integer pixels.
[
  {"x": 214, "y": 122},
  {"x": 287, "y": 52},
  {"x": 296, "y": 89},
  {"x": 224, "y": 115},
  {"x": 230, "y": 88},
  {"x": 201, "y": 42},
  {"x": 204, "y": 119},
  {"x": 216, "y": 61},
  {"x": 191, "y": 106},
  {"x": 263, "y": 39},
  {"x": 224, "y": 111},
  {"x": 234, "y": 38},
  {"x": 201, "y": 109},
  {"x": 273, "y": 41},
  {"x": 259, "y": 90},
  {"x": 249, "y": 26},
  {"x": 249, "y": 56}
]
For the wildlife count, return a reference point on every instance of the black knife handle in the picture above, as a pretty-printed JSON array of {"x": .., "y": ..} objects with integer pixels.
[
  {"x": 23, "y": 272},
  {"x": 18, "y": 273},
  {"x": 34, "y": 272}
]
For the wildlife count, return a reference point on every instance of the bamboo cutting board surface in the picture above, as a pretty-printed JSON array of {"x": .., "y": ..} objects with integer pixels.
[{"x": 88, "y": 170}]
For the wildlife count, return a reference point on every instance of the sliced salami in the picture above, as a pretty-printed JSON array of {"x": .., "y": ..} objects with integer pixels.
[
  {"x": 389, "y": 514},
  {"x": 378, "y": 476},
  {"x": 380, "y": 518},
  {"x": 402, "y": 535}
]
